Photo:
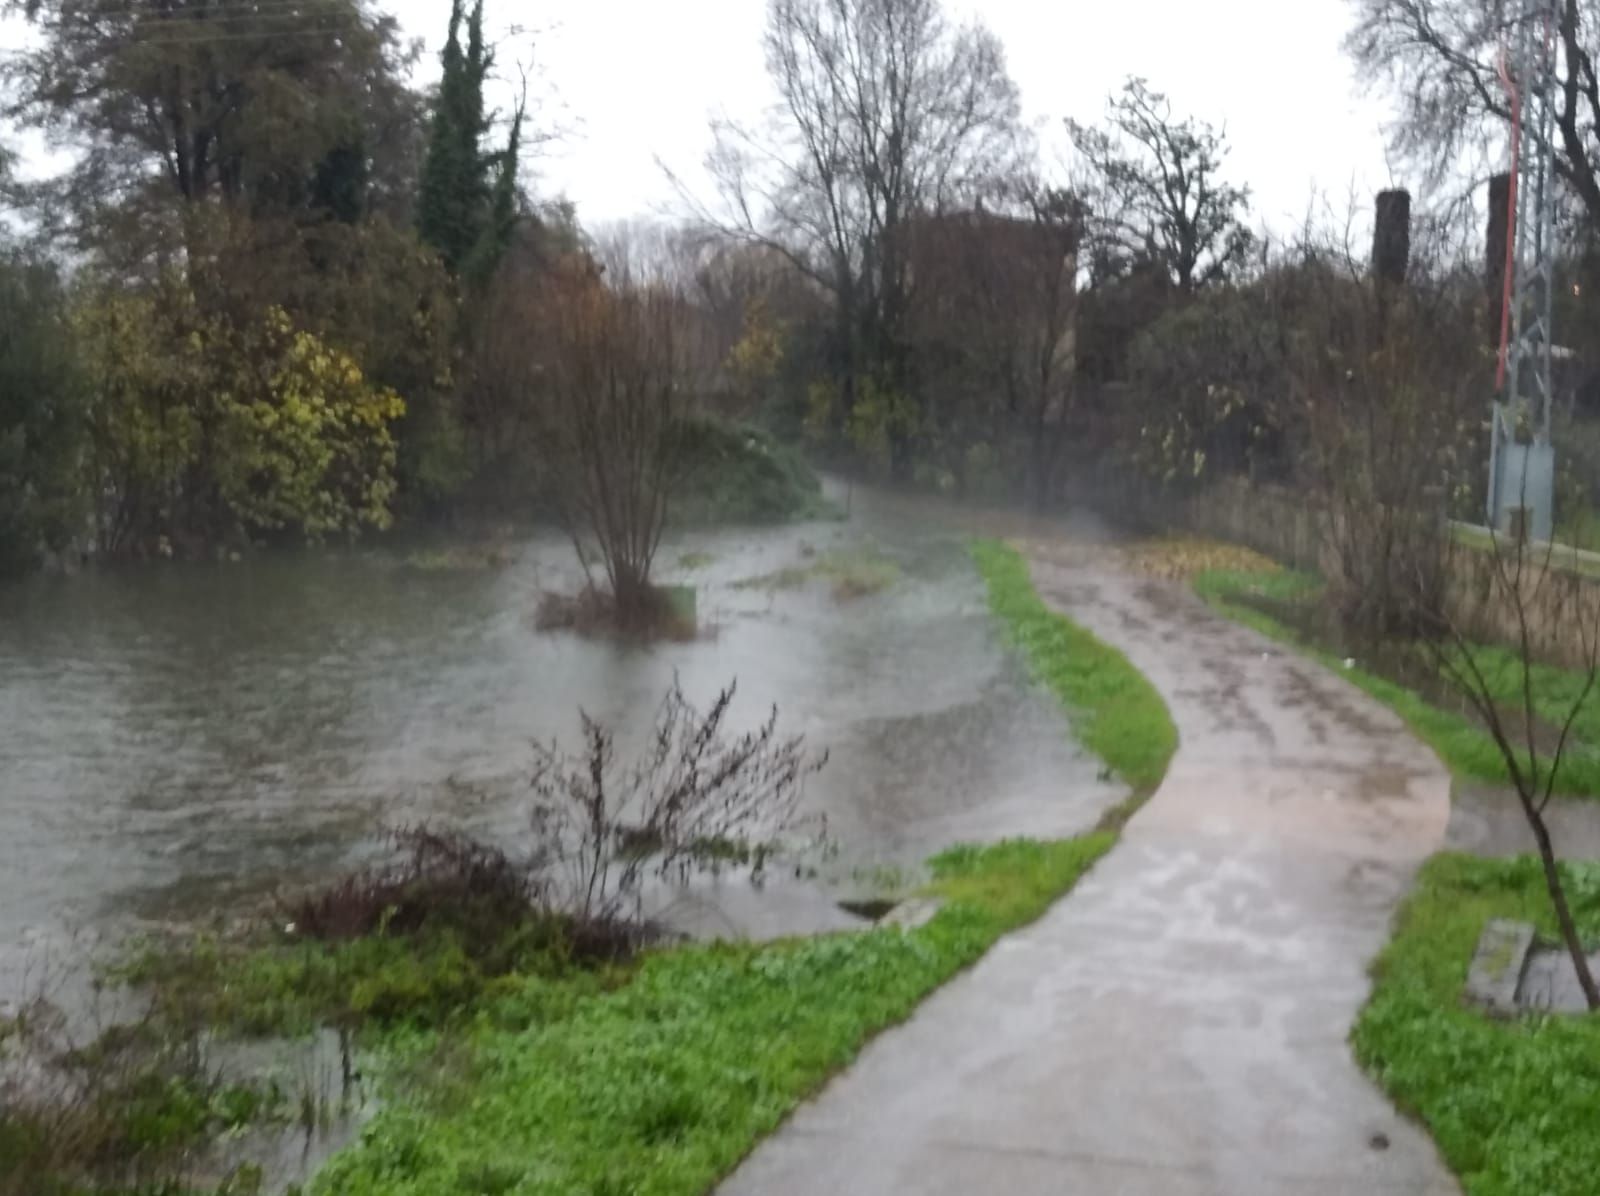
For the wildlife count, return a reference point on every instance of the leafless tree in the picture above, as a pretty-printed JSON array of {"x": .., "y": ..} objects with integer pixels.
[
  {"x": 1383, "y": 386},
  {"x": 1441, "y": 59},
  {"x": 694, "y": 800},
  {"x": 613, "y": 385},
  {"x": 887, "y": 111},
  {"x": 1158, "y": 194},
  {"x": 1533, "y": 732}
]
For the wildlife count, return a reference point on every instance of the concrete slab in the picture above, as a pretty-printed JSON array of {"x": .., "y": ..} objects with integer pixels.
[
  {"x": 1178, "y": 1024},
  {"x": 1550, "y": 982},
  {"x": 908, "y": 915},
  {"x": 1495, "y": 973}
]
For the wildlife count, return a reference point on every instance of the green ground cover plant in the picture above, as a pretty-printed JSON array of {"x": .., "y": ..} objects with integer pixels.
[
  {"x": 1511, "y": 1104},
  {"x": 1115, "y": 710},
  {"x": 663, "y": 1085},
  {"x": 739, "y": 474}
]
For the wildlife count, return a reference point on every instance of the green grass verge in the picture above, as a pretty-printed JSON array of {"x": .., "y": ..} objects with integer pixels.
[
  {"x": 662, "y": 1086},
  {"x": 509, "y": 1069},
  {"x": 1512, "y": 1105},
  {"x": 1466, "y": 749},
  {"x": 1115, "y": 711}
]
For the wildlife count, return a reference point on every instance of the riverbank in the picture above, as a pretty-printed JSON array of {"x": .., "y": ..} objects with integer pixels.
[
  {"x": 445, "y": 1025},
  {"x": 732, "y": 1037}
]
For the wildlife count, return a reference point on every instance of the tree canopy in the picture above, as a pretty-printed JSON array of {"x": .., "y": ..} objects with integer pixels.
[
  {"x": 1156, "y": 190},
  {"x": 1440, "y": 59},
  {"x": 262, "y": 110},
  {"x": 469, "y": 198},
  {"x": 887, "y": 111}
]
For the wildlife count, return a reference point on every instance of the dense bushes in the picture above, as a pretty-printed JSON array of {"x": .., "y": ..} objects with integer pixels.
[
  {"x": 42, "y": 502},
  {"x": 736, "y": 473},
  {"x": 205, "y": 432}
]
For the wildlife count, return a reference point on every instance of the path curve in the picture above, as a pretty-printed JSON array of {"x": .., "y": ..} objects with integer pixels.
[{"x": 1177, "y": 1025}]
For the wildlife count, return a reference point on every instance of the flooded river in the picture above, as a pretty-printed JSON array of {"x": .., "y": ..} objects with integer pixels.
[{"x": 176, "y": 742}]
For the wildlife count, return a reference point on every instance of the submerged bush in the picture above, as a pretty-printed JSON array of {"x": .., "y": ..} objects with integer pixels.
[
  {"x": 657, "y": 613},
  {"x": 122, "y": 1112},
  {"x": 694, "y": 801}
]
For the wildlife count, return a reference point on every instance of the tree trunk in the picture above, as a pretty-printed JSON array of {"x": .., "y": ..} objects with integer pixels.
[
  {"x": 1558, "y": 898},
  {"x": 633, "y": 595},
  {"x": 1041, "y": 471},
  {"x": 900, "y": 458}
]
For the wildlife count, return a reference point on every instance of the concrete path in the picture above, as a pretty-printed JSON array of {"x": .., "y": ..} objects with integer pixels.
[{"x": 1177, "y": 1025}]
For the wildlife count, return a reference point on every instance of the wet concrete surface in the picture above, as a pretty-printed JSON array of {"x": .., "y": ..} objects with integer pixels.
[
  {"x": 1550, "y": 982},
  {"x": 1488, "y": 820},
  {"x": 1177, "y": 1025}
]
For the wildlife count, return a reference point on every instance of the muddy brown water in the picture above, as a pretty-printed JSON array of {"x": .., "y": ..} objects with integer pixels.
[{"x": 177, "y": 743}]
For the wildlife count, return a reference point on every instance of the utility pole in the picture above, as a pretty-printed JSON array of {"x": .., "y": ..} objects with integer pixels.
[{"x": 1521, "y": 456}]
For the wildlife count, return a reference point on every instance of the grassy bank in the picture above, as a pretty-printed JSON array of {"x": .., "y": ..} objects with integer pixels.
[
  {"x": 529, "y": 1072},
  {"x": 665, "y": 1083},
  {"x": 1511, "y": 1104},
  {"x": 509, "y": 1064},
  {"x": 1460, "y": 741},
  {"x": 1115, "y": 711}
]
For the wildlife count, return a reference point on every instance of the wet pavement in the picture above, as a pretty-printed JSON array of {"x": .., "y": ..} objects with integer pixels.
[
  {"x": 1488, "y": 820},
  {"x": 1177, "y": 1025}
]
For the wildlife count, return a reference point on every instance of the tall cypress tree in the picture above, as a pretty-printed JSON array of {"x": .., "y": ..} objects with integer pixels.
[
  {"x": 501, "y": 224},
  {"x": 453, "y": 207}
]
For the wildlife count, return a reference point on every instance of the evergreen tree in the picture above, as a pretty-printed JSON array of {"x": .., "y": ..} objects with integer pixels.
[
  {"x": 501, "y": 224},
  {"x": 453, "y": 208}
]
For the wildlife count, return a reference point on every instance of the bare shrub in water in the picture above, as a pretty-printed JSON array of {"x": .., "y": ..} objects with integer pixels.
[
  {"x": 612, "y": 386},
  {"x": 593, "y": 611},
  {"x": 696, "y": 800}
]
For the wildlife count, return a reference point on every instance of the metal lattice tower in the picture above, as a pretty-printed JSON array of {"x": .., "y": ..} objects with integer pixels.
[{"x": 1522, "y": 458}]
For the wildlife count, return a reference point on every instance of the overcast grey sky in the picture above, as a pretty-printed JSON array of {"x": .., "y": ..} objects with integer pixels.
[
  {"x": 637, "y": 79},
  {"x": 633, "y": 80}
]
